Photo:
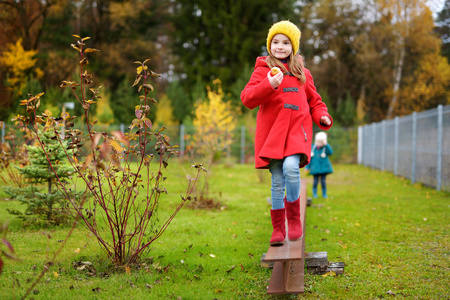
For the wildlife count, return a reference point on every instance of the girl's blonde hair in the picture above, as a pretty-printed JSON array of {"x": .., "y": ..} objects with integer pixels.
[{"x": 295, "y": 65}]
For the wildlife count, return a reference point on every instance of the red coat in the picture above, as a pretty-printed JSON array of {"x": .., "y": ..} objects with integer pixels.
[{"x": 285, "y": 116}]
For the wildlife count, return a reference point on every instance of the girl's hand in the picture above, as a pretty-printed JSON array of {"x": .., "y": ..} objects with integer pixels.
[
  {"x": 325, "y": 120},
  {"x": 275, "y": 80}
]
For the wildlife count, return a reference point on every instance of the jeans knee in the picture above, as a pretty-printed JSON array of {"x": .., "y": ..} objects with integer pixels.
[
  {"x": 291, "y": 171},
  {"x": 277, "y": 183}
]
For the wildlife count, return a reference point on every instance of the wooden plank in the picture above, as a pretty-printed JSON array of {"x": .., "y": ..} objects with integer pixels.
[
  {"x": 287, "y": 278},
  {"x": 276, "y": 284},
  {"x": 294, "y": 283},
  {"x": 291, "y": 250},
  {"x": 288, "y": 260}
]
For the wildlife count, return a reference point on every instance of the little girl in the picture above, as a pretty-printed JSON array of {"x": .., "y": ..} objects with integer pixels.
[
  {"x": 320, "y": 165},
  {"x": 288, "y": 104}
]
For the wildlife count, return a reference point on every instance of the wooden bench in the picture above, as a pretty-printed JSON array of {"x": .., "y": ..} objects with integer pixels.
[{"x": 289, "y": 259}]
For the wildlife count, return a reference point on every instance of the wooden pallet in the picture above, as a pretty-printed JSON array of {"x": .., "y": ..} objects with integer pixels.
[{"x": 289, "y": 259}]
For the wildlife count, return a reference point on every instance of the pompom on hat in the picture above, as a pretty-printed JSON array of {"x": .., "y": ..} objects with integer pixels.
[{"x": 287, "y": 28}]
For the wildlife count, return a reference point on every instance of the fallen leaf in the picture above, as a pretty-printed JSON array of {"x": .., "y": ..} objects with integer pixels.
[
  {"x": 55, "y": 274},
  {"x": 77, "y": 250},
  {"x": 166, "y": 269},
  {"x": 331, "y": 273},
  {"x": 128, "y": 270},
  {"x": 380, "y": 266},
  {"x": 212, "y": 255},
  {"x": 231, "y": 269},
  {"x": 81, "y": 268}
]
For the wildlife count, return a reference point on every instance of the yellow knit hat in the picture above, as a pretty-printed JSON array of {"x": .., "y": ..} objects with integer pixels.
[{"x": 288, "y": 29}]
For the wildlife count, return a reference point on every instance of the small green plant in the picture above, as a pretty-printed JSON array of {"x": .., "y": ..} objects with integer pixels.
[
  {"x": 122, "y": 173},
  {"x": 44, "y": 202}
]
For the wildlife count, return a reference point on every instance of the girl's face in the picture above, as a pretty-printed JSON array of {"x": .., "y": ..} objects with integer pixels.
[
  {"x": 281, "y": 46},
  {"x": 320, "y": 143}
]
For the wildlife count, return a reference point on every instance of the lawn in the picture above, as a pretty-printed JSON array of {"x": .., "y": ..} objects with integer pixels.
[{"x": 393, "y": 237}]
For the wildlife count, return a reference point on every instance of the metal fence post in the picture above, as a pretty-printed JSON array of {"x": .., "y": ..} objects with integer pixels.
[
  {"x": 396, "y": 146},
  {"x": 374, "y": 142},
  {"x": 383, "y": 145},
  {"x": 360, "y": 144},
  {"x": 439, "y": 147},
  {"x": 181, "y": 140},
  {"x": 242, "y": 144},
  {"x": 413, "y": 147}
]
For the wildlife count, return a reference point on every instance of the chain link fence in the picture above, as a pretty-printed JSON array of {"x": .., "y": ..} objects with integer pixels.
[
  {"x": 416, "y": 147},
  {"x": 343, "y": 141}
]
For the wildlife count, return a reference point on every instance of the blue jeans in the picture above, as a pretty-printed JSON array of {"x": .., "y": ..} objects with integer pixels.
[{"x": 285, "y": 176}]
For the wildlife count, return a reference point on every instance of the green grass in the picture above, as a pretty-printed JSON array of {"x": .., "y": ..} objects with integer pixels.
[{"x": 392, "y": 236}]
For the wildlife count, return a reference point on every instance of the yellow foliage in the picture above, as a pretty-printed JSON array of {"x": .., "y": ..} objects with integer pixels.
[
  {"x": 121, "y": 13},
  {"x": 164, "y": 112},
  {"x": 360, "y": 110},
  {"x": 214, "y": 122},
  {"x": 430, "y": 82},
  {"x": 19, "y": 64},
  {"x": 104, "y": 113}
]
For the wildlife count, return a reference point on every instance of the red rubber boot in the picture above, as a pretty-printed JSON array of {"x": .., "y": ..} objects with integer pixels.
[
  {"x": 279, "y": 228},
  {"x": 295, "y": 229}
]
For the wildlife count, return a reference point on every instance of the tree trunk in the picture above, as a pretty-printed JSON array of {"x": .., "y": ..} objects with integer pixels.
[{"x": 397, "y": 79}]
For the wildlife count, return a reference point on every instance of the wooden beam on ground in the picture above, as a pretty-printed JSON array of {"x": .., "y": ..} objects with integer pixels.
[{"x": 289, "y": 259}]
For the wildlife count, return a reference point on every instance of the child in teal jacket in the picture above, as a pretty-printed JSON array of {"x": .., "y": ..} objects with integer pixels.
[{"x": 320, "y": 165}]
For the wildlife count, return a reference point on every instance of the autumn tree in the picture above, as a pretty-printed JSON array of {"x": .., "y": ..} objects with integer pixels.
[
  {"x": 23, "y": 19},
  {"x": 20, "y": 68},
  {"x": 217, "y": 39},
  {"x": 421, "y": 80},
  {"x": 329, "y": 29},
  {"x": 374, "y": 52},
  {"x": 214, "y": 122},
  {"x": 443, "y": 28}
]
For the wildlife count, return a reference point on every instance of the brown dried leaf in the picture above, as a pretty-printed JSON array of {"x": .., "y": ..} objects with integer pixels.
[{"x": 91, "y": 50}]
